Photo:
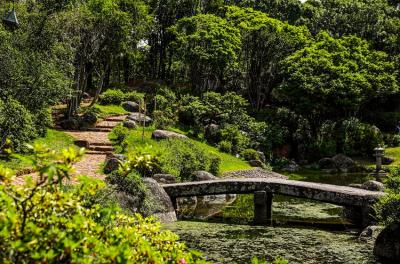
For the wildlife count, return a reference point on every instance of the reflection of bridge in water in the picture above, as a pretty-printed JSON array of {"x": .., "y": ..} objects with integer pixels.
[{"x": 357, "y": 201}]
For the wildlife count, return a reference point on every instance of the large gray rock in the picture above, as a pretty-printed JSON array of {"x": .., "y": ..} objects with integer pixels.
[
  {"x": 387, "y": 244},
  {"x": 164, "y": 134},
  {"x": 164, "y": 178},
  {"x": 130, "y": 106},
  {"x": 130, "y": 124},
  {"x": 262, "y": 157},
  {"x": 344, "y": 163},
  {"x": 71, "y": 123},
  {"x": 202, "y": 176},
  {"x": 88, "y": 119},
  {"x": 373, "y": 186},
  {"x": 140, "y": 118},
  {"x": 164, "y": 210}
]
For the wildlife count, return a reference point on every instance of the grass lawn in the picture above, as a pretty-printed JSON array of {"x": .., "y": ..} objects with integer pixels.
[
  {"x": 389, "y": 152},
  {"x": 54, "y": 139},
  {"x": 228, "y": 162},
  {"x": 109, "y": 110}
]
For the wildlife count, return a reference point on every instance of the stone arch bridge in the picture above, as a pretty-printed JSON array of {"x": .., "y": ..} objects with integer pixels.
[{"x": 358, "y": 202}]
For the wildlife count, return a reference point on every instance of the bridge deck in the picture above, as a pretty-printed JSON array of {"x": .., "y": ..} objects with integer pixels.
[{"x": 340, "y": 195}]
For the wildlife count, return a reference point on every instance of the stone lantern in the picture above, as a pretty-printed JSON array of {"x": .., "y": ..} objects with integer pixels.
[{"x": 379, "y": 154}]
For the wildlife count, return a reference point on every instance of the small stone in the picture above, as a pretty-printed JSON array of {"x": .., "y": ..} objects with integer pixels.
[
  {"x": 164, "y": 134},
  {"x": 292, "y": 167},
  {"x": 373, "y": 186},
  {"x": 202, "y": 176},
  {"x": 82, "y": 143},
  {"x": 130, "y": 106},
  {"x": 256, "y": 163},
  {"x": 120, "y": 157},
  {"x": 211, "y": 133},
  {"x": 164, "y": 178},
  {"x": 112, "y": 164},
  {"x": 130, "y": 124}
]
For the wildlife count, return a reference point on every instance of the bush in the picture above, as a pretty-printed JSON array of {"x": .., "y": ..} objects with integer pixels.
[
  {"x": 238, "y": 138},
  {"x": 42, "y": 120},
  {"x": 388, "y": 208},
  {"x": 225, "y": 146},
  {"x": 116, "y": 97},
  {"x": 250, "y": 154},
  {"x": 76, "y": 229},
  {"x": 164, "y": 119},
  {"x": 392, "y": 140},
  {"x": 182, "y": 158},
  {"x": 117, "y": 136},
  {"x": 144, "y": 161},
  {"x": 215, "y": 163},
  {"x": 109, "y": 97},
  {"x": 16, "y": 124}
]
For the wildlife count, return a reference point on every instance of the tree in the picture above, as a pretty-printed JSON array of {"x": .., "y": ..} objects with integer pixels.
[
  {"x": 206, "y": 48},
  {"x": 265, "y": 42},
  {"x": 336, "y": 78}
]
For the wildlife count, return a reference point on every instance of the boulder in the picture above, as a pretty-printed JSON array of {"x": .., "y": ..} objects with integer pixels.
[
  {"x": 88, "y": 119},
  {"x": 202, "y": 176},
  {"x": 111, "y": 165},
  {"x": 261, "y": 156},
  {"x": 164, "y": 178},
  {"x": 387, "y": 244},
  {"x": 140, "y": 118},
  {"x": 256, "y": 163},
  {"x": 387, "y": 160},
  {"x": 82, "y": 143},
  {"x": 370, "y": 232},
  {"x": 164, "y": 134},
  {"x": 130, "y": 106},
  {"x": 373, "y": 186},
  {"x": 291, "y": 167},
  {"x": 71, "y": 124},
  {"x": 164, "y": 210},
  {"x": 211, "y": 133},
  {"x": 344, "y": 163},
  {"x": 130, "y": 124},
  {"x": 327, "y": 164}
]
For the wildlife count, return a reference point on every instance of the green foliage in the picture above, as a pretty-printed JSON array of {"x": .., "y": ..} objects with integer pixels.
[
  {"x": 250, "y": 154},
  {"x": 215, "y": 163},
  {"x": 238, "y": 139},
  {"x": 225, "y": 146},
  {"x": 118, "y": 135},
  {"x": 16, "y": 124},
  {"x": 392, "y": 140},
  {"x": 112, "y": 97},
  {"x": 144, "y": 161},
  {"x": 76, "y": 229},
  {"x": 205, "y": 48},
  {"x": 345, "y": 74}
]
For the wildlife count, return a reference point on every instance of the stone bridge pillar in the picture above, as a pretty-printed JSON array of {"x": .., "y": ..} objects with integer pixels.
[{"x": 263, "y": 208}]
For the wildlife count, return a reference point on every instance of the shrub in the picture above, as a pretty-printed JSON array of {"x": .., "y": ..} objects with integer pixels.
[
  {"x": 42, "y": 120},
  {"x": 144, "y": 162},
  {"x": 76, "y": 229},
  {"x": 116, "y": 97},
  {"x": 238, "y": 138},
  {"x": 134, "y": 97},
  {"x": 112, "y": 97},
  {"x": 215, "y": 162},
  {"x": 16, "y": 124},
  {"x": 250, "y": 154},
  {"x": 118, "y": 135},
  {"x": 225, "y": 146},
  {"x": 164, "y": 119},
  {"x": 392, "y": 140},
  {"x": 182, "y": 158},
  {"x": 388, "y": 208}
]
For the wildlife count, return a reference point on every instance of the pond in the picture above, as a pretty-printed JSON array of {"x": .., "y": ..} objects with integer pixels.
[{"x": 303, "y": 231}]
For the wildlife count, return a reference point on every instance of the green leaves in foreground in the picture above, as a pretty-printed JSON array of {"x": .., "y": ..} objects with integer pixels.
[{"x": 42, "y": 221}]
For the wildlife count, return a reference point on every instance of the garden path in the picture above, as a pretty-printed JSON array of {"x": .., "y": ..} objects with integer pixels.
[{"x": 99, "y": 147}]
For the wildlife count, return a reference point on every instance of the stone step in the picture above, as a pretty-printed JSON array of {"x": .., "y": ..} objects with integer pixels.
[
  {"x": 105, "y": 127},
  {"x": 101, "y": 148},
  {"x": 91, "y": 152},
  {"x": 95, "y": 129},
  {"x": 101, "y": 144}
]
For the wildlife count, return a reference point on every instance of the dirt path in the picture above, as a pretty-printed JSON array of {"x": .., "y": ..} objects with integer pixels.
[{"x": 99, "y": 147}]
